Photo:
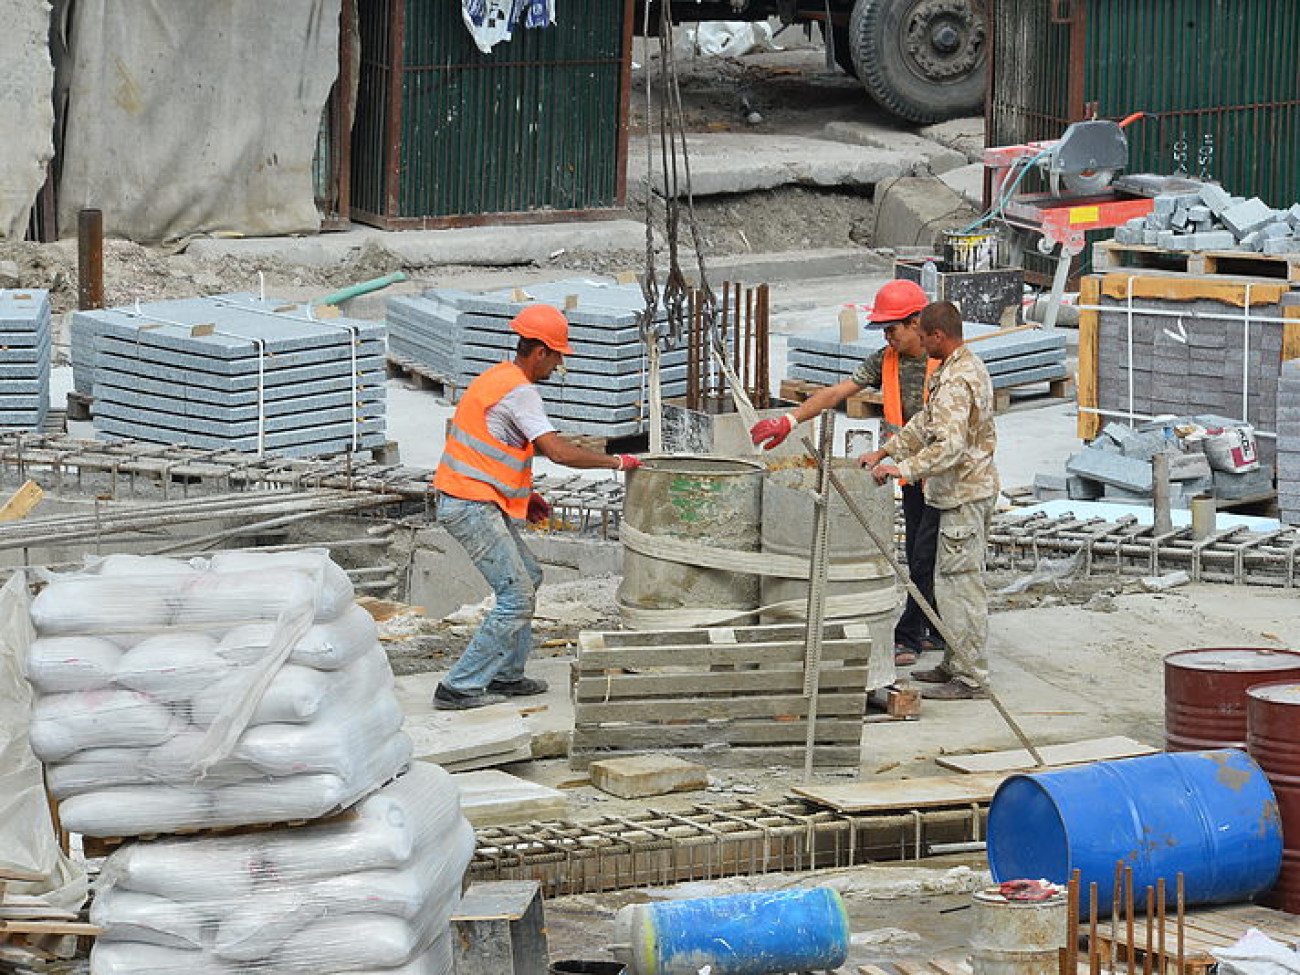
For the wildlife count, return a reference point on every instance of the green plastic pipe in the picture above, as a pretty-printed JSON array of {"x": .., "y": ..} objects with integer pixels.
[{"x": 362, "y": 288}]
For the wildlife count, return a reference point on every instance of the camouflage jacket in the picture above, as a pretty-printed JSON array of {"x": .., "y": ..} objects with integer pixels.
[{"x": 950, "y": 443}]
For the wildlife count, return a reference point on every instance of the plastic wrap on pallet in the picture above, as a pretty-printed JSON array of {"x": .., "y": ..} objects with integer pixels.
[
  {"x": 370, "y": 891},
  {"x": 248, "y": 688}
]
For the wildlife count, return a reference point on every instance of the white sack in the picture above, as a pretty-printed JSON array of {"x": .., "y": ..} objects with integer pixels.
[
  {"x": 326, "y": 646},
  {"x": 172, "y": 666},
  {"x": 190, "y": 117},
  {"x": 71, "y": 663},
  {"x": 146, "y": 918},
  {"x": 67, "y": 723}
]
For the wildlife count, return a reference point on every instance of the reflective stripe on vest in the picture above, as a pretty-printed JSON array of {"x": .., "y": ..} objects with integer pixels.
[{"x": 475, "y": 465}]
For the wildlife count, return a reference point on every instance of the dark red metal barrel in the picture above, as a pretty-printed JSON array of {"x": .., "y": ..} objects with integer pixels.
[
  {"x": 1205, "y": 693},
  {"x": 1273, "y": 741}
]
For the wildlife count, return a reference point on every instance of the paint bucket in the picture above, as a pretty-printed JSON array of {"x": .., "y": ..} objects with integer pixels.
[
  {"x": 802, "y": 930},
  {"x": 863, "y": 586},
  {"x": 1211, "y": 816},
  {"x": 1273, "y": 740},
  {"x": 1205, "y": 693},
  {"x": 680, "y": 504},
  {"x": 1016, "y": 937},
  {"x": 969, "y": 252},
  {"x": 579, "y": 967}
]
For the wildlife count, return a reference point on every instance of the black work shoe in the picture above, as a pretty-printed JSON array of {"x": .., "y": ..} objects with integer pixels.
[
  {"x": 445, "y": 699},
  {"x": 935, "y": 675},
  {"x": 523, "y": 687},
  {"x": 954, "y": 690}
]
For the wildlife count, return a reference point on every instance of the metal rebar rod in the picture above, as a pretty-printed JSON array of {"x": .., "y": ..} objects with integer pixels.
[
  {"x": 1147, "y": 962},
  {"x": 1160, "y": 924},
  {"x": 1116, "y": 900},
  {"x": 817, "y": 570},
  {"x": 1072, "y": 924},
  {"x": 1094, "y": 949},
  {"x": 1181, "y": 934},
  {"x": 1128, "y": 916}
]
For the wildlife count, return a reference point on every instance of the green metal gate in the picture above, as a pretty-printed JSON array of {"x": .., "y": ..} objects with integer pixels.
[
  {"x": 446, "y": 135},
  {"x": 1221, "y": 77}
]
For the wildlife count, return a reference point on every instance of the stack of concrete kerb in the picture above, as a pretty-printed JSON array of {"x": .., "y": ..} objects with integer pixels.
[{"x": 724, "y": 541}]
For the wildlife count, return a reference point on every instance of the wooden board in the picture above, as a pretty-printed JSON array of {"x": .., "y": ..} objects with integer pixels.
[
  {"x": 1088, "y": 424},
  {"x": 1204, "y": 929},
  {"x": 21, "y": 501},
  {"x": 950, "y": 965},
  {"x": 1190, "y": 288},
  {"x": 882, "y": 795},
  {"x": 1070, "y": 753}
]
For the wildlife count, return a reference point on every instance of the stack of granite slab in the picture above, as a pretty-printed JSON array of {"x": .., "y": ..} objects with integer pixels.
[
  {"x": 457, "y": 335},
  {"x": 235, "y": 372},
  {"x": 1212, "y": 219},
  {"x": 1211, "y": 357},
  {"x": 24, "y": 359},
  {"x": 1288, "y": 442},
  {"x": 1012, "y": 359}
]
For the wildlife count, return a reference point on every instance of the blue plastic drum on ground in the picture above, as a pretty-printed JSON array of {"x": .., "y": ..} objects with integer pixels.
[
  {"x": 1211, "y": 816},
  {"x": 802, "y": 930}
]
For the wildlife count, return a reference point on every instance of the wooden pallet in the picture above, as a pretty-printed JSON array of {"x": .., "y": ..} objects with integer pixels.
[
  {"x": 1061, "y": 389},
  {"x": 1204, "y": 929},
  {"x": 1110, "y": 256},
  {"x": 102, "y": 846},
  {"x": 737, "y": 689},
  {"x": 422, "y": 377},
  {"x": 945, "y": 965},
  {"x": 33, "y": 933},
  {"x": 862, "y": 405}
]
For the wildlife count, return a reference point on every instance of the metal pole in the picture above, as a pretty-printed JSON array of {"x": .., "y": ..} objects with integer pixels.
[
  {"x": 817, "y": 569},
  {"x": 90, "y": 259},
  {"x": 1164, "y": 520},
  {"x": 886, "y": 549}
]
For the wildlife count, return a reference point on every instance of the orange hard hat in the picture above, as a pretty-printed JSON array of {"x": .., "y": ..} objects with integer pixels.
[
  {"x": 546, "y": 324},
  {"x": 897, "y": 301}
]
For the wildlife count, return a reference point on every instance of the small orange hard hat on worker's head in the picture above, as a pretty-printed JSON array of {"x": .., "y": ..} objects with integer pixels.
[
  {"x": 898, "y": 300},
  {"x": 546, "y": 324}
]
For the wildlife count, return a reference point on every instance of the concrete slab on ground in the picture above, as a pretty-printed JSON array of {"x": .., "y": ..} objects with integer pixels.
[
  {"x": 931, "y": 155},
  {"x": 490, "y": 797}
]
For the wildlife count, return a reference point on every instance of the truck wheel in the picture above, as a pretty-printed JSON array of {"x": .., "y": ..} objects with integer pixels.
[{"x": 924, "y": 60}]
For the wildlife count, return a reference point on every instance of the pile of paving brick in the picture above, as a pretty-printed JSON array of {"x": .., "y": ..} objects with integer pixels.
[
  {"x": 456, "y": 335},
  {"x": 1012, "y": 359},
  {"x": 233, "y": 372},
  {"x": 1211, "y": 219},
  {"x": 1288, "y": 442},
  {"x": 1116, "y": 466},
  {"x": 24, "y": 359}
]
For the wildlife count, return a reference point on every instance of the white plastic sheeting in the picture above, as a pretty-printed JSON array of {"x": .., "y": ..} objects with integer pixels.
[
  {"x": 26, "y": 110},
  {"x": 187, "y": 116},
  {"x": 28, "y": 846}
]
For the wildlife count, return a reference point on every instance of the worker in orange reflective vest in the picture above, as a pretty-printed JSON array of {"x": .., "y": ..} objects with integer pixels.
[
  {"x": 485, "y": 485},
  {"x": 900, "y": 371}
]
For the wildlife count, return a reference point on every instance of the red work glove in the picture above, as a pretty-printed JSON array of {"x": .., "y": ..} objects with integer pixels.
[
  {"x": 1027, "y": 890},
  {"x": 538, "y": 509},
  {"x": 626, "y": 462},
  {"x": 774, "y": 430}
]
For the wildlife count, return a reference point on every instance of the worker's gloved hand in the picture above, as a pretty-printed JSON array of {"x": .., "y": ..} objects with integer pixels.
[
  {"x": 538, "y": 509},
  {"x": 626, "y": 462},
  {"x": 774, "y": 430}
]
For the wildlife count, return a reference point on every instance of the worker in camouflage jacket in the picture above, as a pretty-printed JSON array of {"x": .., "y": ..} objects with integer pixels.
[{"x": 949, "y": 445}]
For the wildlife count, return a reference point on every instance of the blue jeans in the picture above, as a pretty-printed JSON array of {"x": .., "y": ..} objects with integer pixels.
[{"x": 500, "y": 648}]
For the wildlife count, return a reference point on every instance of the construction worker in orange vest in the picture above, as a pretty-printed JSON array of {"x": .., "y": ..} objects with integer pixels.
[
  {"x": 900, "y": 371},
  {"x": 485, "y": 485}
]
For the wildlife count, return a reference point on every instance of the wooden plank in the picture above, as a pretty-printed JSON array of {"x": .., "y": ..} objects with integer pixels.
[
  {"x": 730, "y": 635},
  {"x": 700, "y": 709},
  {"x": 1070, "y": 753},
  {"x": 951, "y": 966},
  {"x": 21, "y": 501},
  {"x": 616, "y": 686},
  {"x": 1190, "y": 288},
  {"x": 746, "y": 756},
  {"x": 78, "y": 928},
  {"x": 704, "y": 655},
  {"x": 880, "y": 795},
  {"x": 871, "y": 970},
  {"x": 829, "y": 732},
  {"x": 1088, "y": 424},
  {"x": 1291, "y": 332}
]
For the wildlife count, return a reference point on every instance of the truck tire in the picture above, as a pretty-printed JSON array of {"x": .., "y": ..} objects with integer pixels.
[{"x": 923, "y": 60}]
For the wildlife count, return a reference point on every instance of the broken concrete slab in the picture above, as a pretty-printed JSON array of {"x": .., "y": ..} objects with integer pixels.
[
  {"x": 737, "y": 162},
  {"x": 637, "y": 776},
  {"x": 933, "y": 156},
  {"x": 460, "y": 740},
  {"x": 968, "y": 183},
  {"x": 966, "y": 135},
  {"x": 490, "y": 797},
  {"x": 1116, "y": 470},
  {"x": 914, "y": 211}
]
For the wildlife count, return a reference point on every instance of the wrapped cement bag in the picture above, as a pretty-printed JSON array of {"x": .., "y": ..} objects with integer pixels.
[
  {"x": 182, "y": 695},
  {"x": 370, "y": 891}
]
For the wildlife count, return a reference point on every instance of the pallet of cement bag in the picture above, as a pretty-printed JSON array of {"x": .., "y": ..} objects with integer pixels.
[
  {"x": 730, "y": 691},
  {"x": 1157, "y": 344}
]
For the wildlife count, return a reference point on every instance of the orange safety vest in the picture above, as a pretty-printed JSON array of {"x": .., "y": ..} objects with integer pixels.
[
  {"x": 475, "y": 465},
  {"x": 891, "y": 390}
]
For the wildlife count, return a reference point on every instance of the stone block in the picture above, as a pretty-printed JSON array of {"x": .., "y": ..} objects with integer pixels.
[
  {"x": 1113, "y": 493},
  {"x": 1293, "y": 216},
  {"x": 1165, "y": 240},
  {"x": 1144, "y": 446},
  {"x": 1151, "y": 237},
  {"x": 1282, "y": 245},
  {"x": 1214, "y": 240},
  {"x": 1199, "y": 213},
  {"x": 1188, "y": 467},
  {"x": 638, "y": 776},
  {"x": 1082, "y": 488},
  {"x": 1114, "y": 470},
  {"x": 1244, "y": 217},
  {"x": 1164, "y": 205},
  {"x": 1236, "y": 486},
  {"x": 1216, "y": 198},
  {"x": 1180, "y": 219},
  {"x": 1278, "y": 228}
]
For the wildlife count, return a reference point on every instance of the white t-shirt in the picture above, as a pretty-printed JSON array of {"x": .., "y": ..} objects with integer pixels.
[{"x": 519, "y": 417}]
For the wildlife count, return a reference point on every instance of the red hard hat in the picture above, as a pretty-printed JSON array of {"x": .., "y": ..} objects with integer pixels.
[
  {"x": 546, "y": 324},
  {"x": 898, "y": 300}
]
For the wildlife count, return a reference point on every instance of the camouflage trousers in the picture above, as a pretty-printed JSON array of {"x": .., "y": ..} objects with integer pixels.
[{"x": 959, "y": 592}]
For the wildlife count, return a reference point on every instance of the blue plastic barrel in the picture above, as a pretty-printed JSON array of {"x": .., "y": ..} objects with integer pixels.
[
  {"x": 1211, "y": 816},
  {"x": 747, "y": 934}
]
